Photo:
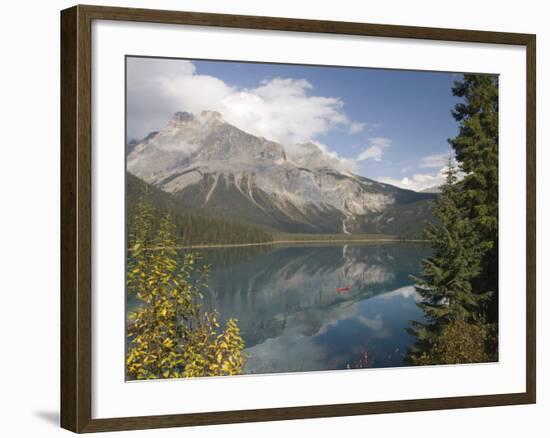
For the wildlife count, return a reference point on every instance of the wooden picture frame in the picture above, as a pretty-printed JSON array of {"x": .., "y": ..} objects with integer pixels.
[{"x": 76, "y": 217}]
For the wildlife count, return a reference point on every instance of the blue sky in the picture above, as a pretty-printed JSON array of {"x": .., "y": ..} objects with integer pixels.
[{"x": 389, "y": 125}]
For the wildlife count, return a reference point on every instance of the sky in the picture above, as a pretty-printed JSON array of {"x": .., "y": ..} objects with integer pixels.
[{"x": 387, "y": 125}]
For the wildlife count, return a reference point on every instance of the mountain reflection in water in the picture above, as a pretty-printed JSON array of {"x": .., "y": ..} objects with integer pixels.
[{"x": 310, "y": 308}]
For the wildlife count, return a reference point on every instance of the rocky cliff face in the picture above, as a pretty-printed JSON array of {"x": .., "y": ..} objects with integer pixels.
[{"x": 209, "y": 164}]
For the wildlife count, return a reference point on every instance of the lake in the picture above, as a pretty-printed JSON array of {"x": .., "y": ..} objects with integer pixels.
[{"x": 311, "y": 307}]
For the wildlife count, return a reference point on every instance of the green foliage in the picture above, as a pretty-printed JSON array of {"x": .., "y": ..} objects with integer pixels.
[
  {"x": 197, "y": 229},
  {"x": 459, "y": 282},
  {"x": 446, "y": 285},
  {"x": 169, "y": 334},
  {"x": 476, "y": 149},
  {"x": 213, "y": 354},
  {"x": 192, "y": 227},
  {"x": 404, "y": 219},
  {"x": 460, "y": 342}
]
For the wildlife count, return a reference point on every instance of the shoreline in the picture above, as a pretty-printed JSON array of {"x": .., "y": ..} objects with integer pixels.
[{"x": 290, "y": 242}]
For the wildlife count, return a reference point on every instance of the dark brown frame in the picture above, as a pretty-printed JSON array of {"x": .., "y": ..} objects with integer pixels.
[{"x": 76, "y": 225}]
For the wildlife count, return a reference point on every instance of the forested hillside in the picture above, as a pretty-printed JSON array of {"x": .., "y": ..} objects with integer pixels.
[{"x": 192, "y": 228}]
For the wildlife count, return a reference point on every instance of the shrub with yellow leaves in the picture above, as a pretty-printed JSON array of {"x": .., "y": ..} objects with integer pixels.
[{"x": 170, "y": 336}]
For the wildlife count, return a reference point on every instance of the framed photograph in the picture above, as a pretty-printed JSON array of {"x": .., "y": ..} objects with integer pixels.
[{"x": 269, "y": 218}]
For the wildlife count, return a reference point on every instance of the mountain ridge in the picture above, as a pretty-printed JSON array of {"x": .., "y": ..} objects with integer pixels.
[{"x": 211, "y": 165}]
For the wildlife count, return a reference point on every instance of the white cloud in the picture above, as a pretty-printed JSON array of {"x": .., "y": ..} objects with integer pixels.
[
  {"x": 375, "y": 324},
  {"x": 356, "y": 127},
  {"x": 434, "y": 161},
  {"x": 380, "y": 141},
  {"x": 403, "y": 292},
  {"x": 283, "y": 111},
  {"x": 416, "y": 182},
  {"x": 335, "y": 160},
  {"x": 148, "y": 107},
  {"x": 422, "y": 181},
  {"x": 419, "y": 181},
  {"x": 195, "y": 93},
  {"x": 280, "y": 109},
  {"x": 375, "y": 150}
]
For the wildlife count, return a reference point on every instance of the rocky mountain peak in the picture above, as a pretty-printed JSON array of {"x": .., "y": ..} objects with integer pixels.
[
  {"x": 182, "y": 117},
  {"x": 209, "y": 163},
  {"x": 204, "y": 117},
  {"x": 311, "y": 155},
  {"x": 211, "y": 115}
]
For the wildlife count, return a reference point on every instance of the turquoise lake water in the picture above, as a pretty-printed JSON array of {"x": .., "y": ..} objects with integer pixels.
[{"x": 311, "y": 308}]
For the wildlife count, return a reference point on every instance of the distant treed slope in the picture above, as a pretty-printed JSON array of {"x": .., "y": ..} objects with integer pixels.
[
  {"x": 232, "y": 199},
  {"x": 406, "y": 217},
  {"x": 192, "y": 227},
  {"x": 404, "y": 220},
  {"x": 227, "y": 200}
]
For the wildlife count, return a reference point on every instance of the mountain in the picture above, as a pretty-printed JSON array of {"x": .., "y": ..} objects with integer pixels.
[
  {"x": 133, "y": 143},
  {"x": 192, "y": 227},
  {"x": 212, "y": 166}
]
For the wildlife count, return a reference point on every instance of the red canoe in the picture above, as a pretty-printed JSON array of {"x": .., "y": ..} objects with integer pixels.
[{"x": 343, "y": 289}]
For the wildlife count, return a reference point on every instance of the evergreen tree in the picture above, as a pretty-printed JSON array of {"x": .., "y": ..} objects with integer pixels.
[
  {"x": 459, "y": 285},
  {"x": 446, "y": 283},
  {"x": 476, "y": 149}
]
